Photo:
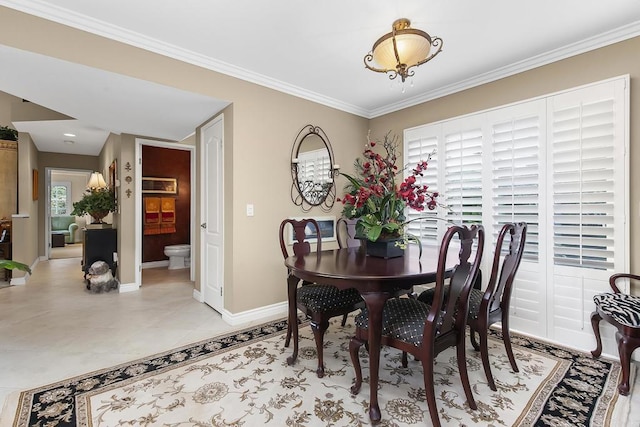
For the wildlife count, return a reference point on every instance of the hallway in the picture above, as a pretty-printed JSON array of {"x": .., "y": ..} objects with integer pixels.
[{"x": 53, "y": 328}]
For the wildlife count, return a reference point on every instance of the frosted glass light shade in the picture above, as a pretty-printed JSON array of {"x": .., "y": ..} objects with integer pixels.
[
  {"x": 404, "y": 48},
  {"x": 412, "y": 48}
]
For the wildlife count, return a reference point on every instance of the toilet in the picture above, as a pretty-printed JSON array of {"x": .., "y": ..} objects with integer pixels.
[{"x": 179, "y": 256}]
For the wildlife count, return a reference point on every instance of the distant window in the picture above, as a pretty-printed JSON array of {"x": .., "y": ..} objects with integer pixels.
[{"x": 61, "y": 198}]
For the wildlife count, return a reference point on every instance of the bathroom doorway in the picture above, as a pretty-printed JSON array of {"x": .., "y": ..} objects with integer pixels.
[{"x": 165, "y": 208}]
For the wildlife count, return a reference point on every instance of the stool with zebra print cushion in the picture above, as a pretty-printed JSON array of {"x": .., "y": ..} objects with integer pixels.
[{"x": 623, "y": 312}]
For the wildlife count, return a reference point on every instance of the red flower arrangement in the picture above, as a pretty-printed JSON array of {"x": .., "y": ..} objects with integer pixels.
[{"x": 374, "y": 198}]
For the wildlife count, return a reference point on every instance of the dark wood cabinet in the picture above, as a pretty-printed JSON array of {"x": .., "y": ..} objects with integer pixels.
[{"x": 99, "y": 245}]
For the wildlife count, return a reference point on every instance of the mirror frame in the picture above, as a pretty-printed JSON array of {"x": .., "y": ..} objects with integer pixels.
[{"x": 299, "y": 195}]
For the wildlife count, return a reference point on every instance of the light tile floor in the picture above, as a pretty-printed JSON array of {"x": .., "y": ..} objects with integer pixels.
[{"x": 52, "y": 328}]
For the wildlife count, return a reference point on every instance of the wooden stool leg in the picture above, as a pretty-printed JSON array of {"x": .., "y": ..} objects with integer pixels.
[{"x": 595, "y": 324}]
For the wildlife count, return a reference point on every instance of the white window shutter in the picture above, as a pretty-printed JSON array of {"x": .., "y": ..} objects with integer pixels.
[
  {"x": 587, "y": 139},
  {"x": 419, "y": 145},
  {"x": 515, "y": 171},
  {"x": 463, "y": 145}
]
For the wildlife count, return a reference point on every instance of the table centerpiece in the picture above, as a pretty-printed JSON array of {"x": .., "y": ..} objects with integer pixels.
[{"x": 373, "y": 197}]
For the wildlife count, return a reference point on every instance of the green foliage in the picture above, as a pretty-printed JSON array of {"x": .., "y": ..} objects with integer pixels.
[
  {"x": 8, "y": 134},
  {"x": 374, "y": 197},
  {"x": 97, "y": 203},
  {"x": 14, "y": 265}
]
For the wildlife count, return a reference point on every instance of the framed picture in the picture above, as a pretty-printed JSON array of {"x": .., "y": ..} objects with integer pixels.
[
  {"x": 327, "y": 226},
  {"x": 112, "y": 174},
  {"x": 159, "y": 185},
  {"x": 34, "y": 185}
]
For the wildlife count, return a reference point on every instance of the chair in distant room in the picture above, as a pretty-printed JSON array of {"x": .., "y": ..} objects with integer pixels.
[
  {"x": 316, "y": 301},
  {"x": 622, "y": 311},
  {"x": 426, "y": 330}
]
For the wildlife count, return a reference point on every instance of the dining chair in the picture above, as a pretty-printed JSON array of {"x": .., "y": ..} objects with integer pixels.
[
  {"x": 317, "y": 302},
  {"x": 492, "y": 305},
  {"x": 426, "y": 330},
  {"x": 345, "y": 233},
  {"x": 622, "y": 311}
]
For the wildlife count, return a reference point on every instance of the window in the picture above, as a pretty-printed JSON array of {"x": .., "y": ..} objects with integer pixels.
[
  {"x": 559, "y": 163},
  {"x": 61, "y": 198}
]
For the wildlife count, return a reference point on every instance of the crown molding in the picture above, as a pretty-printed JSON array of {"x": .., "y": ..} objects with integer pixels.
[
  {"x": 586, "y": 45},
  {"x": 101, "y": 28}
]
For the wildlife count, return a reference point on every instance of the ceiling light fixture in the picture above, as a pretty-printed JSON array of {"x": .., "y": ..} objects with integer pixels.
[
  {"x": 71, "y": 135},
  {"x": 397, "y": 52}
]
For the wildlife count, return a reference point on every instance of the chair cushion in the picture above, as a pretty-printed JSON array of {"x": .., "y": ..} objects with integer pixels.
[
  {"x": 426, "y": 296},
  {"x": 475, "y": 299},
  {"x": 402, "y": 319},
  {"x": 625, "y": 309},
  {"x": 323, "y": 298}
]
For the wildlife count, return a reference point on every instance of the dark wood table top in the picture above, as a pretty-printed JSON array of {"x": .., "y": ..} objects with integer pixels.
[{"x": 351, "y": 267}]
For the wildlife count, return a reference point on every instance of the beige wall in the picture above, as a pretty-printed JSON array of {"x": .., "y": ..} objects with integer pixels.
[
  {"x": 258, "y": 144},
  {"x": 259, "y": 136},
  {"x": 26, "y": 224}
]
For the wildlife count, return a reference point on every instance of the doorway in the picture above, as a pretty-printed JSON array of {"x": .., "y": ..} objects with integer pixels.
[
  {"x": 64, "y": 231},
  {"x": 171, "y": 182}
]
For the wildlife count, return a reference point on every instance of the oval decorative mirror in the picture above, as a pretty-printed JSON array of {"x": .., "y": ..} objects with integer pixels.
[{"x": 313, "y": 170}]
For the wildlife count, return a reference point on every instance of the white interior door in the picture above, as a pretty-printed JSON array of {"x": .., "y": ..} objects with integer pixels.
[{"x": 212, "y": 241}]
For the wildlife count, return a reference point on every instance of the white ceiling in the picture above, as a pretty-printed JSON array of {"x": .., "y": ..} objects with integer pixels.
[{"x": 313, "y": 49}]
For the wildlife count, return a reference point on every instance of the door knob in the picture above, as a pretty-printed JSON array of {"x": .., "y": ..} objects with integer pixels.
[{"x": 203, "y": 225}]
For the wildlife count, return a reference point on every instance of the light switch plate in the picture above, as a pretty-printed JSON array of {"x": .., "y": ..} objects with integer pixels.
[{"x": 249, "y": 209}]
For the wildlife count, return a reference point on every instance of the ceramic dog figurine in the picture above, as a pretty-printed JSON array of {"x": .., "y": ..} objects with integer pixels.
[{"x": 100, "y": 278}]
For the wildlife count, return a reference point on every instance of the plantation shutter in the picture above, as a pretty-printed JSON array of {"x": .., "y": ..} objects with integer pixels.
[
  {"x": 463, "y": 171},
  {"x": 559, "y": 163},
  {"x": 517, "y": 135},
  {"x": 588, "y": 201},
  {"x": 515, "y": 176},
  {"x": 418, "y": 147},
  {"x": 583, "y": 185}
]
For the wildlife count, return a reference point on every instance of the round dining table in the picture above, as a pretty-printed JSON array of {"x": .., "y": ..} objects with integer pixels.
[{"x": 376, "y": 279}]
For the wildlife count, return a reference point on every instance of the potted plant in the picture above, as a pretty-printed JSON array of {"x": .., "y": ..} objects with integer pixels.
[
  {"x": 8, "y": 134},
  {"x": 96, "y": 202},
  {"x": 374, "y": 198}
]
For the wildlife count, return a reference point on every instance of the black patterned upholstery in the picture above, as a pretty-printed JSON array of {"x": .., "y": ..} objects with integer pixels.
[
  {"x": 324, "y": 298},
  {"x": 402, "y": 319},
  {"x": 475, "y": 299},
  {"x": 625, "y": 309}
]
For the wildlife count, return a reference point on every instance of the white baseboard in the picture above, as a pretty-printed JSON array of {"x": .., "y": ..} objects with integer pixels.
[
  {"x": 155, "y": 264},
  {"x": 128, "y": 287},
  {"x": 17, "y": 281},
  {"x": 197, "y": 295},
  {"x": 256, "y": 315}
]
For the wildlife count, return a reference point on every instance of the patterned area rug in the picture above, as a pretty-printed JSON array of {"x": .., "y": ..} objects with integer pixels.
[{"x": 242, "y": 379}]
